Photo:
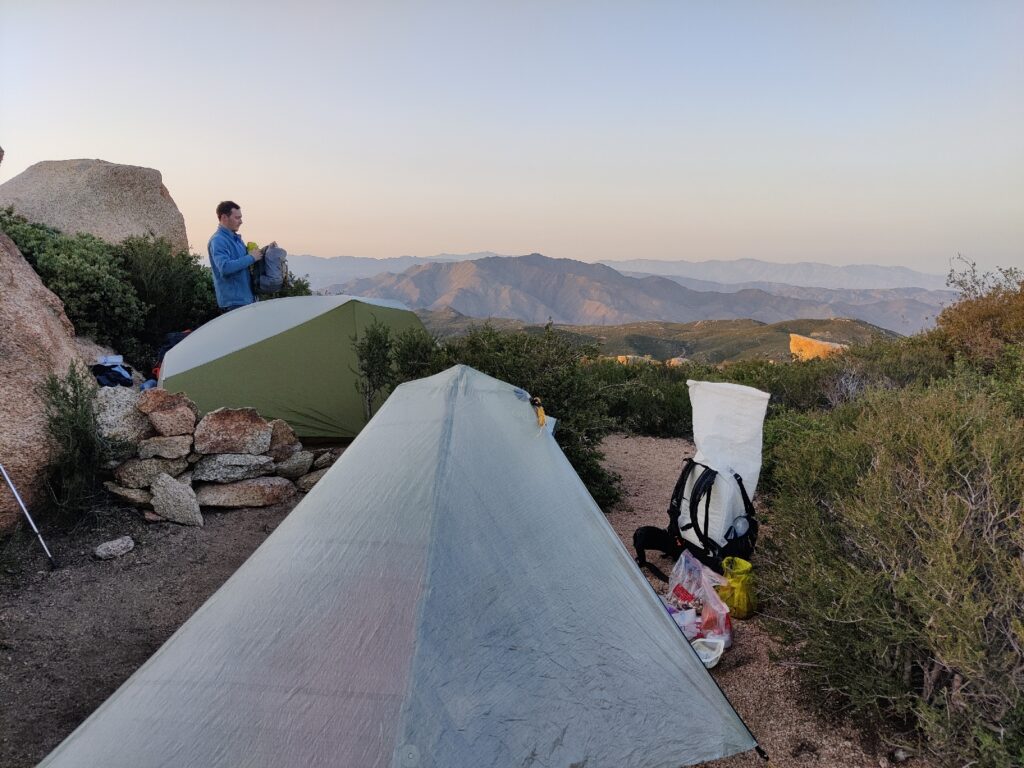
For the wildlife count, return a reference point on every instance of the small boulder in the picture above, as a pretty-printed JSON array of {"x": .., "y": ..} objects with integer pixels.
[
  {"x": 258, "y": 492},
  {"x": 137, "y": 497},
  {"x": 171, "y": 413},
  {"x": 325, "y": 460},
  {"x": 233, "y": 430},
  {"x": 306, "y": 482},
  {"x": 159, "y": 399},
  {"x": 108, "y": 550},
  {"x": 295, "y": 466},
  {"x": 283, "y": 442},
  {"x": 117, "y": 416},
  {"x": 180, "y": 420},
  {"x": 175, "y": 501},
  {"x": 231, "y": 467},
  {"x": 140, "y": 473},
  {"x": 175, "y": 447}
]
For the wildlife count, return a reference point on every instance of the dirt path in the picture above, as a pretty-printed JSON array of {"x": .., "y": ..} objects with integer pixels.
[{"x": 69, "y": 638}]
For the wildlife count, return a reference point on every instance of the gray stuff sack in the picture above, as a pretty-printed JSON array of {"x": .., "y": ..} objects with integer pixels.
[{"x": 270, "y": 274}]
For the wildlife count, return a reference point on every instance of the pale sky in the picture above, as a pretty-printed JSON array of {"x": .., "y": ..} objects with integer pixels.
[{"x": 857, "y": 132}]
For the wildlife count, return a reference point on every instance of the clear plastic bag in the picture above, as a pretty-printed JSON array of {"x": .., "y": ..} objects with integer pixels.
[
  {"x": 715, "y": 621},
  {"x": 685, "y": 584},
  {"x": 692, "y": 585}
]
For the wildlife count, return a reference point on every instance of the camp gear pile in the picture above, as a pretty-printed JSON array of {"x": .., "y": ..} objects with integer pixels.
[{"x": 710, "y": 512}]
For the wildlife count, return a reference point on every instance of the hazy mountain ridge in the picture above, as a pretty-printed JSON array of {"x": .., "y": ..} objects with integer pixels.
[
  {"x": 323, "y": 271},
  {"x": 536, "y": 288},
  {"x": 805, "y": 273}
]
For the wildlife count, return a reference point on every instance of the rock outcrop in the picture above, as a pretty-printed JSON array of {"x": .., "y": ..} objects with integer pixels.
[
  {"x": 806, "y": 348},
  {"x": 36, "y": 339},
  {"x": 109, "y": 200}
]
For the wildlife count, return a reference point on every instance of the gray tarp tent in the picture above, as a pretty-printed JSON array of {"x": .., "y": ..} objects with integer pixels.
[{"x": 447, "y": 596}]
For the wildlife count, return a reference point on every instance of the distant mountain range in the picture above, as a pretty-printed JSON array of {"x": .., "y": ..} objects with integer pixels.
[
  {"x": 324, "y": 272},
  {"x": 700, "y": 275},
  {"x": 536, "y": 288},
  {"x": 808, "y": 274}
]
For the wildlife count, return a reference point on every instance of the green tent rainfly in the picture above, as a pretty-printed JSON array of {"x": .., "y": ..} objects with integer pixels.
[
  {"x": 447, "y": 596},
  {"x": 289, "y": 359}
]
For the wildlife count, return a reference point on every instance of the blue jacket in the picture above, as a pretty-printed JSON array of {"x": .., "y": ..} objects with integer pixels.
[{"x": 230, "y": 264}]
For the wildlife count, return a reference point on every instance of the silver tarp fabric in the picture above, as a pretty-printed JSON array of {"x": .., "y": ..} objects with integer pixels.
[{"x": 447, "y": 596}]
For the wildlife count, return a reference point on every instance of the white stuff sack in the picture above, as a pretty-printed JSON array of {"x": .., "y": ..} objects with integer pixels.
[{"x": 728, "y": 426}]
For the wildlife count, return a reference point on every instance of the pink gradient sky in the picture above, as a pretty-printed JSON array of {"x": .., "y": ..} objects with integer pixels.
[{"x": 887, "y": 133}]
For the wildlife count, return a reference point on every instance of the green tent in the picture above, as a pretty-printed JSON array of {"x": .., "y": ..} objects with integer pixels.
[{"x": 289, "y": 359}]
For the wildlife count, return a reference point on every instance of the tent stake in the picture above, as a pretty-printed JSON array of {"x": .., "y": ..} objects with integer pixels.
[{"x": 10, "y": 483}]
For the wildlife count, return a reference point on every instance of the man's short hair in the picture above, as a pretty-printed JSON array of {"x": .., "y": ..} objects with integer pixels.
[{"x": 225, "y": 208}]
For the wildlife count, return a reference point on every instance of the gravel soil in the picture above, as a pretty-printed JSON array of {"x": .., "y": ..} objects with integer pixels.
[{"x": 70, "y": 637}]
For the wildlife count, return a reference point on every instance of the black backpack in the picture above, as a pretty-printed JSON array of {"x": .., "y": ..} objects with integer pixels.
[{"x": 740, "y": 538}]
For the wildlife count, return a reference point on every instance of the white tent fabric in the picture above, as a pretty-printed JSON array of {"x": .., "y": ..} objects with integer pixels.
[
  {"x": 447, "y": 596},
  {"x": 728, "y": 425},
  {"x": 252, "y": 324}
]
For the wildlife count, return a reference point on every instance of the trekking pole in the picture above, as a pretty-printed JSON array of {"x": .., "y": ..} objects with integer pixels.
[{"x": 53, "y": 563}]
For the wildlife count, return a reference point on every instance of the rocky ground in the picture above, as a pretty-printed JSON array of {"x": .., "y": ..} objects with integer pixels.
[{"x": 69, "y": 637}]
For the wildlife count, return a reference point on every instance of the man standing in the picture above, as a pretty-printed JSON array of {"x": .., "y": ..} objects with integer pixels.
[{"x": 229, "y": 259}]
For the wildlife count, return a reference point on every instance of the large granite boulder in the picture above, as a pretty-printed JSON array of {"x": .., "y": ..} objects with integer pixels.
[
  {"x": 36, "y": 339},
  {"x": 109, "y": 200},
  {"x": 140, "y": 473},
  {"x": 172, "y": 414},
  {"x": 258, "y": 492},
  {"x": 118, "y": 418},
  {"x": 231, "y": 467},
  {"x": 233, "y": 430}
]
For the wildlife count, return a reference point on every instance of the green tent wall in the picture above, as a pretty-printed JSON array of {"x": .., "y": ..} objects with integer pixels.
[{"x": 289, "y": 359}]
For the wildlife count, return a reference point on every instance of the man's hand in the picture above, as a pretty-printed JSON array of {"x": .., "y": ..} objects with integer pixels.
[{"x": 257, "y": 255}]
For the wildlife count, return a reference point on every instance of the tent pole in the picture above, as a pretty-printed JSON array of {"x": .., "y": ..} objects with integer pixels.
[{"x": 10, "y": 483}]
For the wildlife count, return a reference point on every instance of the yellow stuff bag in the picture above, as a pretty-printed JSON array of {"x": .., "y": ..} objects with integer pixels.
[{"x": 738, "y": 591}]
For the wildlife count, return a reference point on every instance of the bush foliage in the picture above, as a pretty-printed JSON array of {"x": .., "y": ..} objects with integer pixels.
[
  {"x": 895, "y": 562},
  {"x": 126, "y": 296},
  {"x": 96, "y": 290},
  {"x": 73, "y": 474}
]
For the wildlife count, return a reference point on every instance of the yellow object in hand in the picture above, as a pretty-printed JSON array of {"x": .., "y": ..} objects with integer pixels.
[{"x": 251, "y": 246}]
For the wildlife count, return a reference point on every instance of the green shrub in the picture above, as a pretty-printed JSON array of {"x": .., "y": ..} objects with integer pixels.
[
  {"x": 296, "y": 286},
  {"x": 96, "y": 290},
  {"x": 375, "y": 366},
  {"x": 73, "y": 474},
  {"x": 648, "y": 399},
  {"x": 30, "y": 238},
  {"x": 988, "y": 317},
  {"x": 176, "y": 289},
  {"x": 415, "y": 352},
  {"x": 798, "y": 385},
  {"x": 894, "y": 562}
]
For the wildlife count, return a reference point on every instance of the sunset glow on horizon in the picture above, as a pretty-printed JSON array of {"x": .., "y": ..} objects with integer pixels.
[{"x": 840, "y": 133}]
